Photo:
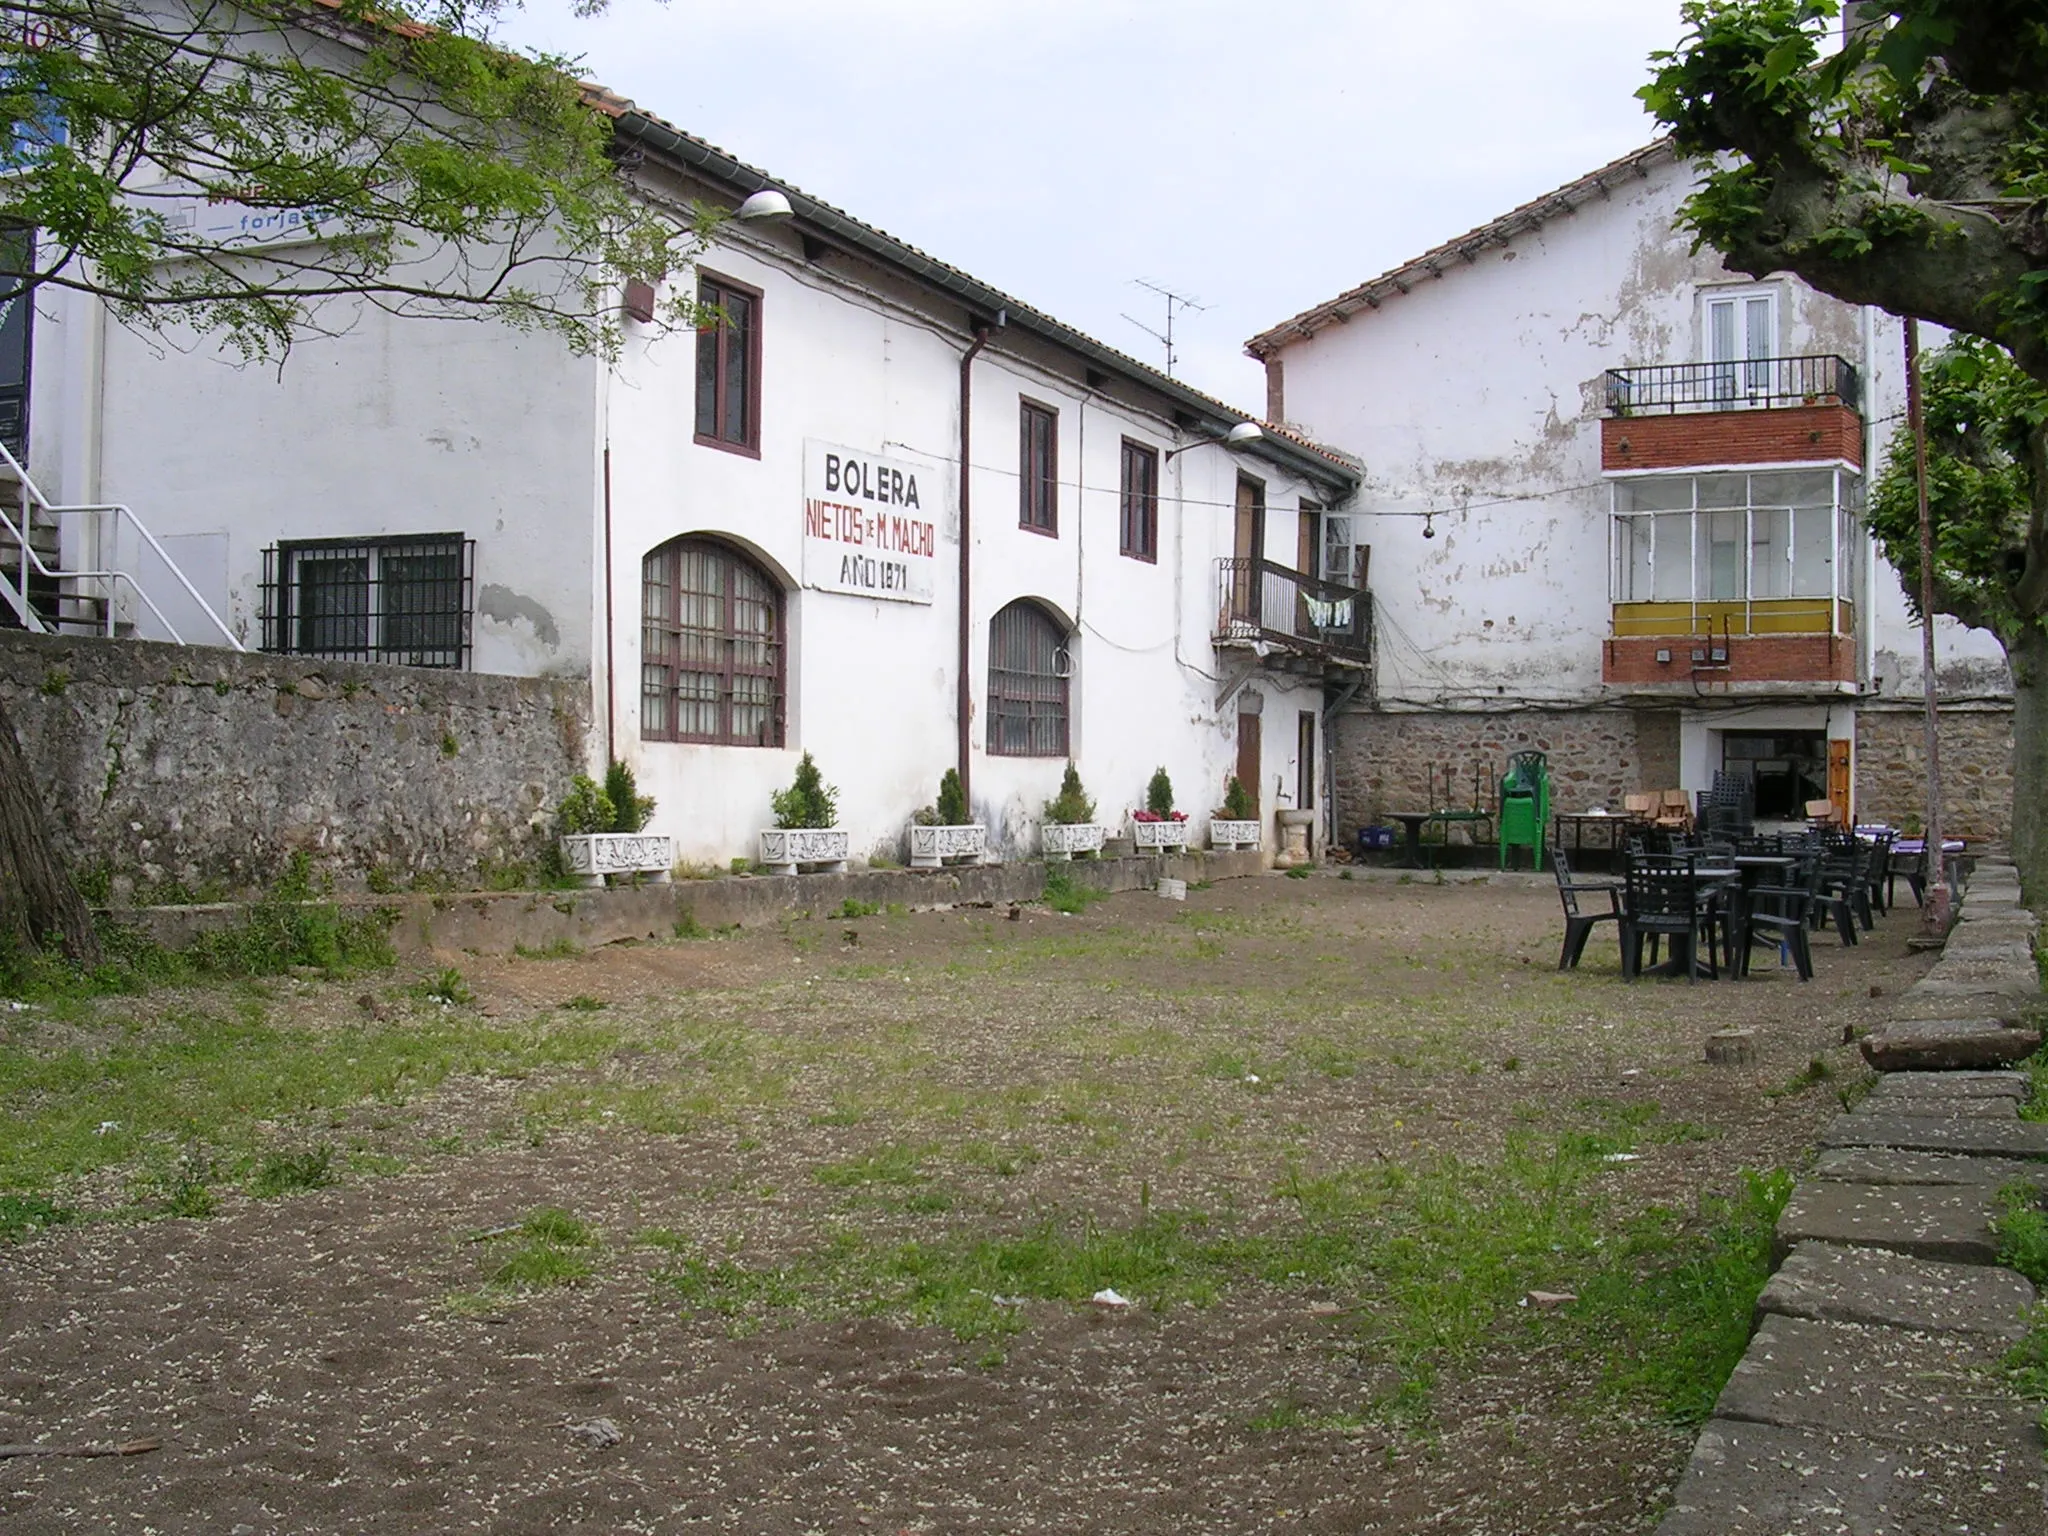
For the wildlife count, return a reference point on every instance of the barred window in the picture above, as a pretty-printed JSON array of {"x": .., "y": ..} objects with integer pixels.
[
  {"x": 711, "y": 647},
  {"x": 1028, "y": 670},
  {"x": 404, "y": 600}
]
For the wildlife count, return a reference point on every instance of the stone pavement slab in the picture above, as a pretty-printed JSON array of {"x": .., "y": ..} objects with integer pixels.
[
  {"x": 1927, "y": 1133},
  {"x": 1763, "y": 1480},
  {"x": 1880, "y": 1383},
  {"x": 1829, "y": 1284},
  {"x": 1965, "y": 1043},
  {"x": 1962, "y": 1085},
  {"x": 1883, "y": 1165},
  {"x": 1938, "y": 1104},
  {"x": 1929, "y": 1221}
]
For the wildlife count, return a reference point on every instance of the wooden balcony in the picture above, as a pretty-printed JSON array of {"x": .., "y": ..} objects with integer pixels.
[{"x": 1273, "y": 610}]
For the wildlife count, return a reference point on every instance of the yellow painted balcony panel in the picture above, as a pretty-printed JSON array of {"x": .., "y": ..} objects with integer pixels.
[{"x": 1770, "y": 616}]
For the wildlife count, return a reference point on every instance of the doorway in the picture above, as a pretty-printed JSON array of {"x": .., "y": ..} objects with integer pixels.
[
  {"x": 1247, "y": 548},
  {"x": 1305, "y": 761},
  {"x": 17, "y": 326},
  {"x": 1786, "y": 769},
  {"x": 1248, "y": 756}
]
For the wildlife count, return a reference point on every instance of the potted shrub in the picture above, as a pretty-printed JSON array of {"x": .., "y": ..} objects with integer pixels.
[
  {"x": 1236, "y": 823},
  {"x": 1159, "y": 826},
  {"x": 602, "y": 830},
  {"x": 942, "y": 831},
  {"x": 1069, "y": 827},
  {"x": 804, "y": 830}
]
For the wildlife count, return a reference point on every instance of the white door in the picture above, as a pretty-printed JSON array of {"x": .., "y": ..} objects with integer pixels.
[{"x": 1742, "y": 337}]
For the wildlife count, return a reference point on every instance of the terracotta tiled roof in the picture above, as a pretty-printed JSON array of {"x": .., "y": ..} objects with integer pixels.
[{"x": 1567, "y": 199}]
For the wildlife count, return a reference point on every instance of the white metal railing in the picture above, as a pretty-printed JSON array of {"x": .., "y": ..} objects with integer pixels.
[{"x": 15, "y": 588}]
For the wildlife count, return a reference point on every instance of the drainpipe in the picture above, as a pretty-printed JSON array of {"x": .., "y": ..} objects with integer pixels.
[
  {"x": 611, "y": 687},
  {"x": 963, "y": 705}
]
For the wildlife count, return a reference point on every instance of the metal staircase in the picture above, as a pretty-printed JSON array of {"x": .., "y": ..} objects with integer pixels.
[{"x": 39, "y": 594}]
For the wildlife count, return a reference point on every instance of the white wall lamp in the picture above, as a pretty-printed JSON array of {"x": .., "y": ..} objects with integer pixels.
[
  {"x": 1239, "y": 436},
  {"x": 764, "y": 204}
]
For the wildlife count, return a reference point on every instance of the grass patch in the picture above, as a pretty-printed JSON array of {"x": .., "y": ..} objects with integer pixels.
[
  {"x": 893, "y": 1164},
  {"x": 447, "y": 987},
  {"x": 1063, "y": 893},
  {"x": 22, "y": 1214},
  {"x": 2036, "y": 1067},
  {"x": 2021, "y": 1227},
  {"x": 548, "y": 1248},
  {"x": 290, "y": 1173},
  {"x": 557, "y": 949},
  {"x": 855, "y": 908}
]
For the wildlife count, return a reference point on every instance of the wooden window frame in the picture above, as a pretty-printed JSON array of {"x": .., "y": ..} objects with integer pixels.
[
  {"x": 1138, "y": 511},
  {"x": 999, "y": 696},
  {"x": 1032, "y": 516},
  {"x": 670, "y": 661},
  {"x": 711, "y": 289}
]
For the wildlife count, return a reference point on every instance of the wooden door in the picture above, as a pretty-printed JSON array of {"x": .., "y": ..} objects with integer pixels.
[
  {"x": 1305, "y": 761},
  {"x": 1839, "y": 782},
  {"x": 1308, "y": 542},
  {"x": 1247, "y": 548},
  {"x": 1248, "y": 757}
]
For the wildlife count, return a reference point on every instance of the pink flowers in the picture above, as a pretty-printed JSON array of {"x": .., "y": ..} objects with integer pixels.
[{"x": 1155, "y": 816}]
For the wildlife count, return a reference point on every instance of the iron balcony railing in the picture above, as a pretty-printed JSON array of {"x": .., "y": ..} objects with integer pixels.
[
  {"x": 1261, "y": 602},
  {"x": 1753, "y": 384}
]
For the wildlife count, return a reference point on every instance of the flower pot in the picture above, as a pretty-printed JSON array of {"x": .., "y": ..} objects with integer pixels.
[
  {"x": 1294, "y": 835},
  {"x": 932, "y": 847},
  {"x": 1060, "y": 840},
  {"x": 1158, "y": 836},
  {"x": 1226, "y": 833},
  {"x": 592, "y": 855},
  {"x": 783, "y": 849}
]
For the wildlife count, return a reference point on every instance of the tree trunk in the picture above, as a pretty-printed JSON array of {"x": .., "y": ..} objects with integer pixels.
[
  {"x": 38, "y": 902},
  {"x": 2028, "y": 658}
]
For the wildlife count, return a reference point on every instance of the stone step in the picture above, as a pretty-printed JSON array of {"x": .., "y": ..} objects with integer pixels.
[
  {"x": 1882, "y": 1165},
  {"x": 1951, "y": 1222},
  {"x": 1878, "y": 1383},
  {"x": 1961, "y": 1085},
  {"x": 1952, "y": 1043},
  {"x": 1762, "y": 1480},
  {"x": 1934, "y": 1105},
  {"x": 1825, "y": 1283},
  {"x": 1931, "y": 1133}
]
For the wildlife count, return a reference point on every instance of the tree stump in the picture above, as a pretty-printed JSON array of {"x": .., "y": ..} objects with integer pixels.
[{"x": 1732, "y": 1048}]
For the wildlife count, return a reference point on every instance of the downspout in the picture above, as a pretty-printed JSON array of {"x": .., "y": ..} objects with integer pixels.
[
  {"x": 963, "y": 703},
  {"x": 1336, "y": 707},
  {"x": 611, "y": 686}
]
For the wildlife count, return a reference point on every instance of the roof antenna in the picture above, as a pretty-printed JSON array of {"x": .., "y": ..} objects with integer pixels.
[{"x": 1174, "y": 303}]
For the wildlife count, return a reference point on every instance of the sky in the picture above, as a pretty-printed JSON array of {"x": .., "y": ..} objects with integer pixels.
[{"x": 1258, "y": 156}]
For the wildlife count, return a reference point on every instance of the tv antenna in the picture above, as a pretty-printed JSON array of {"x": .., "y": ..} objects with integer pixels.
[{"x": 1175, "y": 302}]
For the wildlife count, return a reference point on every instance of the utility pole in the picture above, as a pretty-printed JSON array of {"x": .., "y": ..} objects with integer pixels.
[
  {"x": 1175, "y": 302},
  {"x": 1934, "y": 912}
]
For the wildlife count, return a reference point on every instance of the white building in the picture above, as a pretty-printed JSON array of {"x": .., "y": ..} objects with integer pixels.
[
  {"x": 1612, "y": 510},
  {"x": 750, "y": 539}
]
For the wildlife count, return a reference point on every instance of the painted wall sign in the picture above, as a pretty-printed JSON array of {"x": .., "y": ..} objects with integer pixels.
[{"x": 870, "y": 524}]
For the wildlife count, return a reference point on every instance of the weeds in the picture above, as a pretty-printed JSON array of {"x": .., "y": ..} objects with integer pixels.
[
  {"x": 288, "y": 1173},
  {"x": 447, "y": 987},
  {"x": 548, "y": 1248},
  {"x": 2021, "y": 1227},
  {"x": 554, "y": 949},
  {"x": 852, "y": 908},
  {"x": 22, "y": 1214},
  {"x": 1065, "y": 894}
]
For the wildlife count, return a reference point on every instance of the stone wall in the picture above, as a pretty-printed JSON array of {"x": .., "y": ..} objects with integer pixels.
[
  {"x": 1383, "y": 760},
  {"x": 207, "y": 768},
  {"x": 1976, "y": 768}
]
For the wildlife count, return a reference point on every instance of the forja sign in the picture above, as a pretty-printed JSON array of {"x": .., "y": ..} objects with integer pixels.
[{"x": 869, "y": 528}]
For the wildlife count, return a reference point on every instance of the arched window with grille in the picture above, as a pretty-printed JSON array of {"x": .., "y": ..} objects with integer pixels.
[
  {"x": 711, "y": 652},
  {"x": 1028, "y": 668}
]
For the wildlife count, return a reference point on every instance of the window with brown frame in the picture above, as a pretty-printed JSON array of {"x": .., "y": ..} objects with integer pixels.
[
  {"x": 1028, "y": 671},
  {"x": 729, "y": 366},
  {"x": 711, "y": 647},
  {"x": 1138, "y": 529},
  {"x": 1038, "y": 500}
]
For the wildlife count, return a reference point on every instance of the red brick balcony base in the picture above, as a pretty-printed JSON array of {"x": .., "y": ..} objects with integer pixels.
[
  {"x": 1751, "y": 659},
  {"x": 1794, "y": 434}
]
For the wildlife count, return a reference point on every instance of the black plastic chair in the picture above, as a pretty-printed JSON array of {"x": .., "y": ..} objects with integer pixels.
[
  {"x": 1776, "y": 914},
  {"x": 1664, "y": 896},
  {"x": 1911, "y": 868},
  {"x": 1880, "y": 870},
  {"x": 1579, "y": 925}
]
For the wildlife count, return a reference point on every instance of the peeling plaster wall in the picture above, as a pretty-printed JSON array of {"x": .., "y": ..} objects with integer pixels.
[{"x": 1477, "y": 396}]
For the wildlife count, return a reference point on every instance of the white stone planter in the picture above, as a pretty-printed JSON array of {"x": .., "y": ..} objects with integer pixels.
[
  {"x": 1063, "y": 840},
  {"x": 784, "y": 848},
  {"x": 1294, "y": 838},
  {"x": 593, "y": 855},
  {"x": 1158, "y": 836},
  {"x": 1225, "y": 833},
  {"x": 931, "y": 847}
]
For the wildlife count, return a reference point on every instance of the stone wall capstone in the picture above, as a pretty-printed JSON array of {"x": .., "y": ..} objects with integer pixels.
[
  {"x": 1384, "y": 759},
  {"x": 207, "y": 768},
  {"x": 1976, "y": 768}
]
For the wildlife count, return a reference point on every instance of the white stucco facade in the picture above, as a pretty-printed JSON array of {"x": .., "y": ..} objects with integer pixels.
[{"x": 568, "y": 472}]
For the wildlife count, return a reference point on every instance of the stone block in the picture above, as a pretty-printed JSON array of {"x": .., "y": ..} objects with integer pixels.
[
  {"x": 1826, "y": 1283},
  {"x": 2021, "y": 1139},
  {"x": 1959, "y": 1085},
  {"x": 1930, "y": 1104},
  {"x": 1946, "y": 1045},
  {"x": 1883, "y": 1165},
  {"x": 1951, "y": 1222},
  {"x": 1877, "y": 1383},
  {"x": 1763, "y": 1480}
]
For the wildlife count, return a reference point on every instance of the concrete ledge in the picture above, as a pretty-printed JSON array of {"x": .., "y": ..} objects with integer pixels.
[{"x": 499, "y": 922}]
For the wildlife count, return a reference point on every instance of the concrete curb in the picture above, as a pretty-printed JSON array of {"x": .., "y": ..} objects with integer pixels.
[{"x": 1867, "y": 1400}]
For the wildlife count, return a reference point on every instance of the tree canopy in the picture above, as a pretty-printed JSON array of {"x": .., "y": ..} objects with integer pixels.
[{"x": 256, "y": 170}]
